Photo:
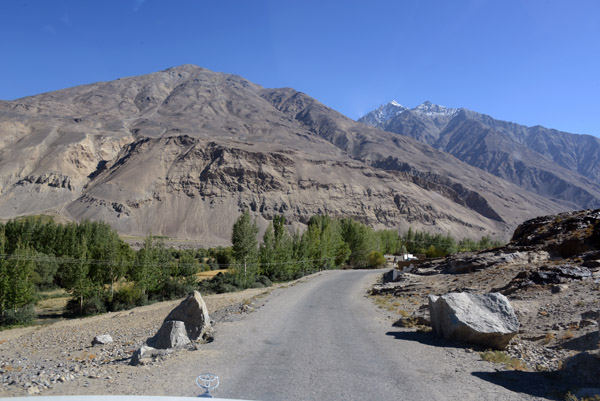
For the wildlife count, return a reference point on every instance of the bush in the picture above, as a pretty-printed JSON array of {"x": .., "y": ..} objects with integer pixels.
[
  {"x": 376, "y": 259},
  {"x": 126, "y": 298},
  {"x": 91, "y": 306},
  {"x": 264, "y": 280},
  {"x": 173, "y": 289},
  {"x": 22, "y": 315},
  {"x": 229, "y": 282}
]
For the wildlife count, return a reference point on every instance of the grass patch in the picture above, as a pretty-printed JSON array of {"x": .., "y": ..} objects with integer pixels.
[
  {"x": 501, "y": 357},
  {"x": 569, "y": 334},
  {"x": 548, "y": 338},
  {"x": 210, "y": 274},
  {"x": 56, "y": 293},
  {"x": 52, "y": 305}
]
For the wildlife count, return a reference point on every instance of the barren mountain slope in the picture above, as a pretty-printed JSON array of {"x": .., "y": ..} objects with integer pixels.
[{"x": 180, "y": 152}]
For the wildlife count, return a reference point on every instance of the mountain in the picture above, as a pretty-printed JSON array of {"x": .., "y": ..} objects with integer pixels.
[
  {"x": 557, "y": 165},
  {"x": 181, "y": 152}
]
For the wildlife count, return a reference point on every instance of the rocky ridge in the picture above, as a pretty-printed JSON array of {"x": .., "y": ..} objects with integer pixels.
[{"x": 554, "y": 164}]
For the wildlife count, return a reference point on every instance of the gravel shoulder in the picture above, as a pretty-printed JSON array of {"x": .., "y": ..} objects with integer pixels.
[{"x": 58, "y": 358}]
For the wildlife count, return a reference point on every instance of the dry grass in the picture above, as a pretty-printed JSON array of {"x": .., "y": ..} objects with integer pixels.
[
  {"x": 10, "y": 368},
  {"x": 569, "y": 334},
  {"x": 52, "y": 305},
  {"x": 85, "y": 356},
  {"x": 548, "y": 338},
  {"x": 503, "y": 358},
  {"x": 571, "y": 397},
  {"x": 210, "y": 274}
]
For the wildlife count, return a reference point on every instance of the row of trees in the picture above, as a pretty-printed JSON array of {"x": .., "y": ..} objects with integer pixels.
[
  {"x": 438, "y": 245},
  {"x": 101, "y": 272},
  {"x": 91, "y": 262},
  {"x": 329, "y": 243}
]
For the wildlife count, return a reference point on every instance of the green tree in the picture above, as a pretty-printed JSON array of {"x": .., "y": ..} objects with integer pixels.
[
  {"x": 361, "y": 240},
  {"x": 245, "y": 244},
  {"x": 19, "y": 288},
  {"x": 4, "y": 279},
  {"x": 76, "y": 278},
  {"x": 151, "y": 268},
  {"x": 388, "y": 241}
]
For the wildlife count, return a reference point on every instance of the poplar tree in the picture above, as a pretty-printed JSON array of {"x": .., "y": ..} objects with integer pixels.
[{"x": 243, "y": 238}]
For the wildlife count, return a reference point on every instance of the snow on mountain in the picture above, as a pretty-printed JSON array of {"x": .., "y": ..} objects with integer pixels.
[
  {"x": 385, "y": 112},
  {"x": 431, "y": 109},
  {"x": 380, "y": 116}
]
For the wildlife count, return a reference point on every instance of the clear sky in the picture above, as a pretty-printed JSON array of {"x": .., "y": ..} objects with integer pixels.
[{"x": 529, "y": 61}]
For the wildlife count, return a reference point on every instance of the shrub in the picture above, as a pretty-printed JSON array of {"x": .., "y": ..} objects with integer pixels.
[
  {"x": 502, "y": 357},
  {"x": 90, "y": 306},
  {"x": 16, "y": 317},
  {"x": 127, "y": 297},
  {"x": 376, "y": 259},
  {"x": 264, "y": 280}
]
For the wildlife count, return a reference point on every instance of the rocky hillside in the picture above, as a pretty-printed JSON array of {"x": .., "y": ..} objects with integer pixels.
[
  {"x": 550, "y": 271},
  {"x": 558, "y": 165},
  {"x": 182, "y": 151}
]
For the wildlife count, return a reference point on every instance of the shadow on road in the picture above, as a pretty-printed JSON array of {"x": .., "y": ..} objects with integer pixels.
[
  {"x": 426, "y": 338},
  {"x": 537, "y": 384}
]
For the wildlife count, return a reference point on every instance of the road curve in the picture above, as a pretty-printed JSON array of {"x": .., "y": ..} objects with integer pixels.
[{"x": 323, "y": 339}]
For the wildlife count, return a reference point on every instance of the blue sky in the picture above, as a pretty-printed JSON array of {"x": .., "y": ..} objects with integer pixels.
[{"x": 531, "y": 62}]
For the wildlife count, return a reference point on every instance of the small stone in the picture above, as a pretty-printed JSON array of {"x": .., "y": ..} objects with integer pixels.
[
  {"x": 102, "y": 339},
  {"x": 33, "y": 390}
]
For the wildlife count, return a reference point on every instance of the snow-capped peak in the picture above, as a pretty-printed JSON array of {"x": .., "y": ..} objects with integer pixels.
[
  {"x": 382, "y": 114},
  {"x": 431, "y": 109}
]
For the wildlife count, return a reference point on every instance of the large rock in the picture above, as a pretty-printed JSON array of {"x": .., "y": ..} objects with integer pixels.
[
  {"x": 194, "y": 314},
  {"x": 189, "y": 321},
  {"x": 172, "y": 334},
  {"x": 484, "y": 319}
]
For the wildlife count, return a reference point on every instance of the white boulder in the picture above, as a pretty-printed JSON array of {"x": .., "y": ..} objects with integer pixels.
[{"x": 484, "y": 319}]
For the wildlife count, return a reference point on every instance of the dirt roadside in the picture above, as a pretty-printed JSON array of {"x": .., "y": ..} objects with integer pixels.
[{"x": 60, "y": 355}]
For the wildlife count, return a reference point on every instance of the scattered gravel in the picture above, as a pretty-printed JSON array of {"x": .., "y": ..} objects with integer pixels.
[{"x": 34, "y": 359}]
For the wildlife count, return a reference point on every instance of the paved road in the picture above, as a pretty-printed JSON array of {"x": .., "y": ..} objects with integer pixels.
[{"x": 322, "y": 339}]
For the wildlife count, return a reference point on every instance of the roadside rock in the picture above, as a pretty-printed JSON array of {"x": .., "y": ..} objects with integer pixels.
[
  {"x": 188, "y": 322},
  {"x": 484, "y": 319},
  {"x": 172, "y": 334},
  {"x": 193, "y": 313},
  {"x": 415, "y": 319},
  {"x": 146, "y": 354},
  {"x": 102, "y": 339}
]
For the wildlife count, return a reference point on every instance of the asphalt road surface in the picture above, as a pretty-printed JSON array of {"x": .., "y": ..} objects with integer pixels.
[{"x": 323, "y": 339}]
